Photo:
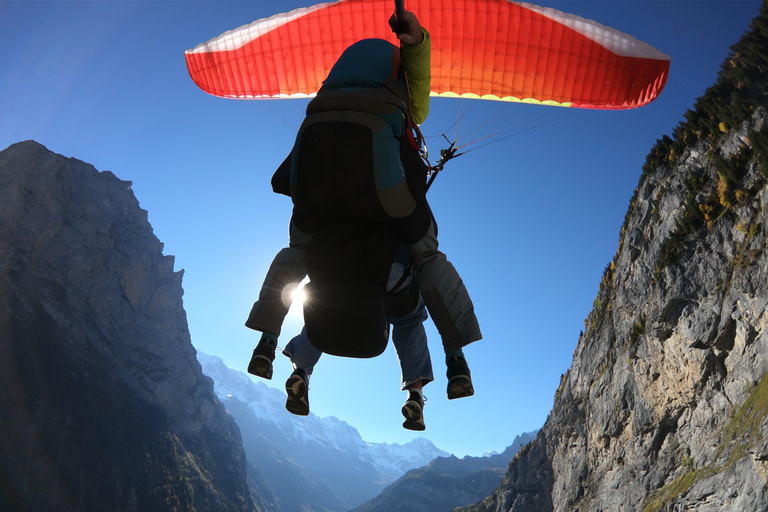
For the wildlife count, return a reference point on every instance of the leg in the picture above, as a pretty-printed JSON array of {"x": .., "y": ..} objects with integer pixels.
[
  {"x": 303, "y": 357},
  {"x": 444, "y": 294},
  {"x": 302, "y": 353},
  {"x": 413, "y": 410},
  {"x": 451, "y": 309},
  {"x": 459, "y": 378},
  {"x": 410, "y": 342},
  {"x": 287, "y": 269}
]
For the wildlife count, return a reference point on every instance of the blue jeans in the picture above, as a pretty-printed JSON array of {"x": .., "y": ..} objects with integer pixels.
[{"x": 408, "y": 336}]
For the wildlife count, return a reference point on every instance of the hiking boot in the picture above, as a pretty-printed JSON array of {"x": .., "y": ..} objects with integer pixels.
[
  {"x": 413, "y": 410},
  {"x": 459, "y": 379},
  {"x": 297, "y": 387},
  {"x": 261, "y": 360}
]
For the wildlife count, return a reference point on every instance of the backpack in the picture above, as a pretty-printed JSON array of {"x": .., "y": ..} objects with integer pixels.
[
  {"x": 349, "y": 153},
  {"x": 347, "y": 305}
]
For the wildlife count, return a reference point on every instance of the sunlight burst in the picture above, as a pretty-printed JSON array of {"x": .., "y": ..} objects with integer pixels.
[{"x": 298, "y": 295}]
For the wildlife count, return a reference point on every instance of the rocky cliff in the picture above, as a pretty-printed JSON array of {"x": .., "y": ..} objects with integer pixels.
[
  {"x": 103, "y": 405},
  {"x": 665, "y": 406}
]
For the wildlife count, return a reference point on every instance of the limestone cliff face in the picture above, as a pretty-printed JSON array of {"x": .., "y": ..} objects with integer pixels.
[
  {"x": 664, "y": 403},
  {"x": 665, "y": 406},
  {"x": 103, "y": 403}
]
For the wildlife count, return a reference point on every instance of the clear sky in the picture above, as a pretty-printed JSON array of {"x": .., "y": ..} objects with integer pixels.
[{"x": 530, "y": 221}]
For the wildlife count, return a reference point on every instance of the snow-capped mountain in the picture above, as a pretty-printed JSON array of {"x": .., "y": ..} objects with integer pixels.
[{"x": 311, "y": 463}]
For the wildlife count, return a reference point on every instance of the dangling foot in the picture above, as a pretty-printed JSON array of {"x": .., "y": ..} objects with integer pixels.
[
  {"x": 263, "y": 355},
  {"x": 413, "y": 410},
  {"x": 297, "y": 387},
  {"x": 459, "y": 379}
]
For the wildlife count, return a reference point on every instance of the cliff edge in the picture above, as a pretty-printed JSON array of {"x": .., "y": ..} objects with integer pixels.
[
  {"x": 103, "y": 403},
  {"x": 665, "y": 406}
]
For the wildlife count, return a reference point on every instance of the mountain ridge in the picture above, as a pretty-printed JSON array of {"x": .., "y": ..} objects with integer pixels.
[
  {"x": 665, "y": 406},
  {"x": 446, "y": 482},
  {"x": 104, "y": 405}
]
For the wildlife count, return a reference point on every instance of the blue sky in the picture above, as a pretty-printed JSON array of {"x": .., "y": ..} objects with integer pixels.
[{"x": 530, "y": 221}]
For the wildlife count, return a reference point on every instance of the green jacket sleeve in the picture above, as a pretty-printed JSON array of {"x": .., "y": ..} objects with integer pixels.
[{"x": 417, "y": 59}]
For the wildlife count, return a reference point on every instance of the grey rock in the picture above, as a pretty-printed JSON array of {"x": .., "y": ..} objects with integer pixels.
[
  {"x": 103, "y": 403},
  {"x": 665, "y": 406}
]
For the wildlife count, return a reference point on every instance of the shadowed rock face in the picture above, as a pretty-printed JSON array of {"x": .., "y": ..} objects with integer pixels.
[
  {"x": 103, "y": 404},
  {"x": 665, "y": 406}
]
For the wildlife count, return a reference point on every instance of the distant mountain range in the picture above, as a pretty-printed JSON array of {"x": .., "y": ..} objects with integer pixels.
[
  {"x": 447, "y": 482},
  {"x": 312, "y": 464}
]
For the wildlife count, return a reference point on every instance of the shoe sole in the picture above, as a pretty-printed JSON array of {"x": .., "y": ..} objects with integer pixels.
[
  {"x": 260, "y": 366},
  {"x": 414, "y": 418},
  {"x": 460, "y": 387},
  {"x": 297, "y": 391}
]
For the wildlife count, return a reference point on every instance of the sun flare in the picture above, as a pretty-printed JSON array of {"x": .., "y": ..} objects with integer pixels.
[{"x": 298, "y": 295}]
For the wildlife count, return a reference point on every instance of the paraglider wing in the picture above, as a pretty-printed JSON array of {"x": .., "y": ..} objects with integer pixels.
[
  {"x": 489, "y": 49},
  {"x": 286, "y": 55}
]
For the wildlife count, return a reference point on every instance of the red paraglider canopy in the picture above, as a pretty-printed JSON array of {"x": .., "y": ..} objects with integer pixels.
[{"x": 488, "y": 49}]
